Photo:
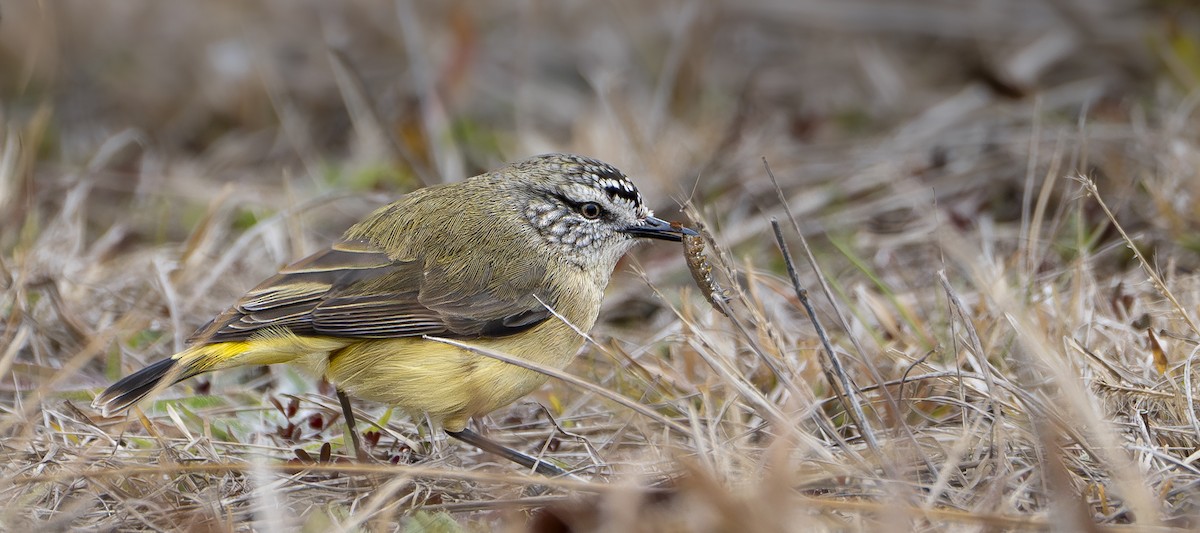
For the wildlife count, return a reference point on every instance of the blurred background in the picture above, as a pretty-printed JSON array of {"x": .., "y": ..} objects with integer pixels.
[
  {"x": 158, "y": 158},
  {"x": 871, "y": 112},
  {"x": 164, "y": 115},
  {"x": 179, "y": 98}
]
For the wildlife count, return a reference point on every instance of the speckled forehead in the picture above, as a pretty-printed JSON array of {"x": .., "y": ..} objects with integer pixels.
[{"x": 604, "y": 177}]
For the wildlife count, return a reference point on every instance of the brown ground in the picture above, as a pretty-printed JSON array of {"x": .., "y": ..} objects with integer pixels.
[{"x": 1000, "y": 197}]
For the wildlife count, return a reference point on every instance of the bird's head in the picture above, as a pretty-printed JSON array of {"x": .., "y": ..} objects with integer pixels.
[{"x": 586, "y": 209}]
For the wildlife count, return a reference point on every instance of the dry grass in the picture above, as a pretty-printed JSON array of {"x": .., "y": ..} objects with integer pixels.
[{"x": 971, "y": 178}]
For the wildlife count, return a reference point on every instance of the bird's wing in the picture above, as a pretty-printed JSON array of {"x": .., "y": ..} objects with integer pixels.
[{"x": 353, "y": 289}]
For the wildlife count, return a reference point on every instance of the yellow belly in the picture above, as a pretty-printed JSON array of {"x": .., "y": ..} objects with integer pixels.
[{"x": 448, "y": 383}]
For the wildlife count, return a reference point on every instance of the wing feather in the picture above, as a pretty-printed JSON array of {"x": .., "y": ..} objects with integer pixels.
[{"x": 354, "y": 289}]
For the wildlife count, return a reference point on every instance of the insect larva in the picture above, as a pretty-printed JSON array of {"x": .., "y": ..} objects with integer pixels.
[{"x": 701, "y": 269}]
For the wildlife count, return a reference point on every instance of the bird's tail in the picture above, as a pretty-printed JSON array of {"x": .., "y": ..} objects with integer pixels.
[
  {"x": 193, "y": 361},
  {"x": 259, "y": 350},
  {"x": 137, "y": 385}
]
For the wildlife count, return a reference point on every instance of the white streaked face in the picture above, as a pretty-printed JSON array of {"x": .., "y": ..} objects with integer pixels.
[{"x": 582, "y": 207}]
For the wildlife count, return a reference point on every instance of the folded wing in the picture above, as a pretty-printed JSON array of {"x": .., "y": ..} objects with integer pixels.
[{"x": 355, "y": 290}]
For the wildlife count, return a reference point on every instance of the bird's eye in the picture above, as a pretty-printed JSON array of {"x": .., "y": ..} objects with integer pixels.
[{"x": 590, "y": 210}]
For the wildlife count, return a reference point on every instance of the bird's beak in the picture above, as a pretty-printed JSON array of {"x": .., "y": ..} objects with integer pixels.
[{"x": 657, "y": 228}]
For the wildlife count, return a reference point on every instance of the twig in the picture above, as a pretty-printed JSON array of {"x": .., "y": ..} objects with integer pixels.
[
  {"x": 889, "y": 401},
  {"x": 852, "y": 403},
  {"x": 847, "y": 384},
  {"x": 1159, "y": 284}
]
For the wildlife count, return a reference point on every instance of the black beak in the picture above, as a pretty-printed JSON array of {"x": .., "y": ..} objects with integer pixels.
[{"x": 657, "y": 228}]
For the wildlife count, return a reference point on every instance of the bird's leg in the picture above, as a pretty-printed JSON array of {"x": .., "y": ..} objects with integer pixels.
[
  {"x": 348, "y": 413},
  {"x": 491, "y": 446}
]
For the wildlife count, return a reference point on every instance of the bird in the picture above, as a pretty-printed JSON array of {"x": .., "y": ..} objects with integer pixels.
[{"x": 514, "y": 261}]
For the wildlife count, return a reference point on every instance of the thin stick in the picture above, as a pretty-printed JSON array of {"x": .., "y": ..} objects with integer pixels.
[
  {"x": 889, "y": 401},
  {"x": 1159, "y": 284},
  {"x": 852, "y": 403}
]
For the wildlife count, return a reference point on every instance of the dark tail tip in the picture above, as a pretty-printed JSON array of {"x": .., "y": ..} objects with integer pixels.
[{"x": 134, "y": 387}]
